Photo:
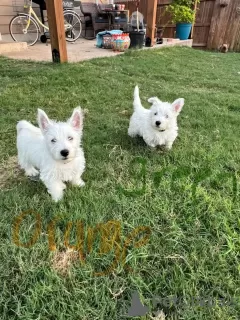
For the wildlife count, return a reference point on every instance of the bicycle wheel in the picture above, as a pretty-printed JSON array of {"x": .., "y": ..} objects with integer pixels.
[
  {"x": 72, "y": 24},
  {"x": 19, "y": 31}
]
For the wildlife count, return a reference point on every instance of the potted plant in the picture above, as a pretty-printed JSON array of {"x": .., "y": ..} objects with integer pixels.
[{"x": 183, "y": 15}]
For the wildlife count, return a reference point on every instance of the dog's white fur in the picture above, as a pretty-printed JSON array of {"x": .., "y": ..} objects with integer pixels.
[
  {"x": 40, "y": 149},
  {"x": 157, "y": 125}
]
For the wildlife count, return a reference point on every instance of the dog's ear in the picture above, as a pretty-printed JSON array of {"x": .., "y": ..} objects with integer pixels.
[
  {"x": 154, "y": 100},
  {"x": 177, "y": 105},
  {"x": 76, "y": 119},
  {"x": 43, "y": 120}
]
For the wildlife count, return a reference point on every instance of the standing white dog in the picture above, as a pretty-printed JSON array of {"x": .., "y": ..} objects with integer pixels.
[
  {"x": 54, "y": 150},
  {"x": 158, "y": 125}
]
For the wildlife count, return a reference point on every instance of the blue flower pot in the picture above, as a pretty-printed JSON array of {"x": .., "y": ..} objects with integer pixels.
[{"x": 183, "y": 30}]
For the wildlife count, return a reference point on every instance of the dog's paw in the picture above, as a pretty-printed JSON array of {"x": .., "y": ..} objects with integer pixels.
[
  {"x": 57, "y": 197},
  {"x": 56, "y": 191},
  {"x": 81, "y": 183},
  {"x": 131, "y": 133},
  {"x": 31, "y": 172},
  {"x": 168, "y": 147},
  {"x": 152, "y": 146},
  {"x": 78, "y": 183}
]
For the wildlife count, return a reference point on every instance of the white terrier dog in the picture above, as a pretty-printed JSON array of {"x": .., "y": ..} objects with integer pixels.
[
  {"x": 54, "y": 150},
  {"x": 158, "y": 125}
]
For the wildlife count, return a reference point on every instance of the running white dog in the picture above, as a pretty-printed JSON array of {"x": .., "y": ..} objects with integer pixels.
[
  {"x": 54, "y": 150},
  {"x": 158, "y": 125}
]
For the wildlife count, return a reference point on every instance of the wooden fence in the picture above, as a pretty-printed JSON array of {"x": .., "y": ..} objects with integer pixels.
[{"x": 214, "y": 24}]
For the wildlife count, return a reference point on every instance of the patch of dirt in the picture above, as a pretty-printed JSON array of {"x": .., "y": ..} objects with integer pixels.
[
  {"x": 9, "y": 170},
  {"x": 62, "y": 260},
  {"x": 127, "y": 113}
]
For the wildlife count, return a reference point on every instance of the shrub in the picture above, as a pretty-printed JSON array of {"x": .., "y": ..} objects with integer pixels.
[
  {"x": 187, "y": 3},
  {"x": 181, "y": 13}
]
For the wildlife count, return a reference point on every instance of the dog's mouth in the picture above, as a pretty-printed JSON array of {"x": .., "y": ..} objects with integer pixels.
[
  {"x": 160, "y": 129},
  {"x": 67, "y": 159}
]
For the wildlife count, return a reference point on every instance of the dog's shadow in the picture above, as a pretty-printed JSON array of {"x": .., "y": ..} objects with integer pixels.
[{"x": 136, "y": 144}]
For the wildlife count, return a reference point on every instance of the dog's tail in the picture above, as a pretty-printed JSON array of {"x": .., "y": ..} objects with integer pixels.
[
  {"x": 137, "y": 105},
  {"x": 23, "y": 124}
]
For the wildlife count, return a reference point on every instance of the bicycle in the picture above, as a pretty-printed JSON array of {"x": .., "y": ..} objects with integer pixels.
[{"x": 25, "y": 27}]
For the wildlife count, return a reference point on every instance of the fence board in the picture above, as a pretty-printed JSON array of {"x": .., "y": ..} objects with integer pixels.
[
  {"x": 203, "y": 22},
  {"x": 225, "y": 26}
]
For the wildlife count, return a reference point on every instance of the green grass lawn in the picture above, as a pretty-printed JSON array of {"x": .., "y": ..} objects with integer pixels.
[{"x": 194, "y": 246}]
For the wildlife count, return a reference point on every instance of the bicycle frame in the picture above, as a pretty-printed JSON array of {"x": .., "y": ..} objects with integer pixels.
[{"x": 31, "y": 13}]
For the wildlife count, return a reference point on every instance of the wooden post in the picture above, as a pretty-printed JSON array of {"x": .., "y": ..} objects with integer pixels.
[
  {"x": 151, "y": 19},
  {"x": 56, "y": 29}
]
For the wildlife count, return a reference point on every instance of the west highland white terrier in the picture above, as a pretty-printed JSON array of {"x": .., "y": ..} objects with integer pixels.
[
  {"x": 54, "y": 150},
  {"x": 158, "y": 125}
]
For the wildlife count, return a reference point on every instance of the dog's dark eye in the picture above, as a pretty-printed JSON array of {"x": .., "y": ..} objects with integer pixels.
[
  {"x": 166, "y": 115},
  {"x": 70, "y": 138},
  {"x": 155, "y": 113},
  {"x": 53, "y": 140}
]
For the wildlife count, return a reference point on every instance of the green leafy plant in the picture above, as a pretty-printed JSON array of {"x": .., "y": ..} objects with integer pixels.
[
  {"x": 181, "y": 13},
  {"x": 187, "y": 3}
]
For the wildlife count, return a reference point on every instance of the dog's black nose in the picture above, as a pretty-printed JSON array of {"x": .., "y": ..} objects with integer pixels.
[
  {"x": 64, "y": 153},
  {"x": 158, "y": 123}
]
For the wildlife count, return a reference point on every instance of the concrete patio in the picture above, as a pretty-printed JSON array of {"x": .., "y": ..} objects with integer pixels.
[{"x": 81, "y": 50}]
